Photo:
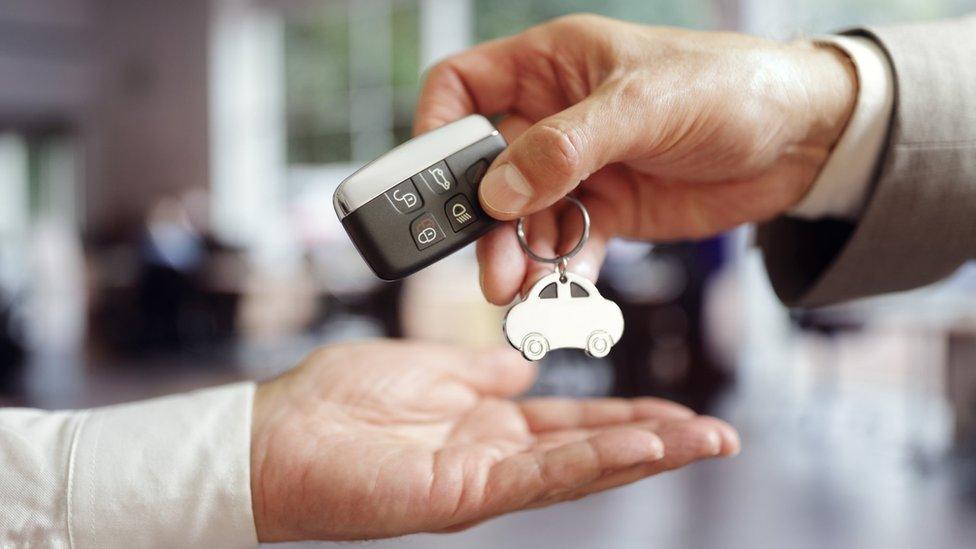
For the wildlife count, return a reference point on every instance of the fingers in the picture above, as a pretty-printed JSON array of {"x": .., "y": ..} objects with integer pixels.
[
  {"x": 480, "y": 80},
  {"x": 697, "y": 438},
  {"x": 513, "y": 126},
  {"x": 550, "y": 414},
  {"x": 523, "y": 479},
  {"x": 684, "y": 443},
  {"x": 603, "y": 226},
  {"x": 550, "y": 158},
  {"x": 541, "y": 234},
  {"x": 502, "y": 265},
  {"x": 505, "y": 270}
]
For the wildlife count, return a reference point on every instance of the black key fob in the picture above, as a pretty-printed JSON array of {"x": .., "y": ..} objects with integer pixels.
[{"x": 419, "y": 202}]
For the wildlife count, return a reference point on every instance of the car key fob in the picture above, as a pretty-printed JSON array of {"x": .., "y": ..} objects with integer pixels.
[{"x": 418, "y": 203}]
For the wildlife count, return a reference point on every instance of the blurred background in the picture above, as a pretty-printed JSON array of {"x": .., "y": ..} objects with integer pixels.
[{"x": 166, "y": 172}]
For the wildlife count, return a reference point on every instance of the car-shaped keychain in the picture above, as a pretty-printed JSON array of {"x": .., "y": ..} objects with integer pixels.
[{"x": 564, "y": 312}]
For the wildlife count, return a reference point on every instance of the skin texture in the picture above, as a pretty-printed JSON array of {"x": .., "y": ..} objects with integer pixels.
[
  {"x": 674, "y": 134},
  {"x": 379, "y": 439}
]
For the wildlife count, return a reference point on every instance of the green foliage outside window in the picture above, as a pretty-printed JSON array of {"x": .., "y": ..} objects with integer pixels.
[
  {"x": 318, "y": 82},
  {"x": 317, "y": 86}
]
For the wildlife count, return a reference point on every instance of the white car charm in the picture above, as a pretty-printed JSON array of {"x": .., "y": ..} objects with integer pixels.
[{"x": 563, "y": 310}]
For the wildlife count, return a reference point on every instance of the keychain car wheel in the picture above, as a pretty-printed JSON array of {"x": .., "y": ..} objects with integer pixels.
[
  {"x": 534, "y": 346},
  {"x": 599, "y": 343}
]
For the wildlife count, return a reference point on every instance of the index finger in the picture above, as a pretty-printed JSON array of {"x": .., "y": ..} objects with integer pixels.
[{"x": 480, "y": 80}]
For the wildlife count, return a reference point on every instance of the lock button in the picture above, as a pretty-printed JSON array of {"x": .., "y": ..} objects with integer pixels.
[
  {"x": 459, "y": 212},
  {"x": 426, "y": 232},
  {"x": 405, "y": 197}
]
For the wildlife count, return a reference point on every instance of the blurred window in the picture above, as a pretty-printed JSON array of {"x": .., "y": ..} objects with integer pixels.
[
  {"x": 352, "y": 70},
  {"x": 772, "y": 18},
  {"x": 495, "y": 18},
  {"x": 38, "y": 182},
  {"x": 351, "y": 79},
  {"x": 812, "y": 16}
]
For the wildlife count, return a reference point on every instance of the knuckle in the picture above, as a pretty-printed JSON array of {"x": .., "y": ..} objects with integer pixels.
[
  {"x": 576, "y": 22},
  {"x": 634, "y": 89},
  {"x": 441, "y": 70},
  {"x": 573, "y": 33},
  {"x": 557, "y": 149}
]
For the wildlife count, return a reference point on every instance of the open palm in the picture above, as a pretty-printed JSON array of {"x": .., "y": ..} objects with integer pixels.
[{"x": 382, "y": 439}]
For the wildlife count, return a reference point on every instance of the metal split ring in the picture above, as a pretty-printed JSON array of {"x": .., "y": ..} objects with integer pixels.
[{"x": 561, "y": 261}]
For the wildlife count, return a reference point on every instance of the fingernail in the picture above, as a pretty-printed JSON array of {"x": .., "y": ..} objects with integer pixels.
[
  {"x": 657, "y": 450},
  {"x": 505, "y": 190},
  {"x": 735, "y": 442},
  {"x": 715, "y": 442}
]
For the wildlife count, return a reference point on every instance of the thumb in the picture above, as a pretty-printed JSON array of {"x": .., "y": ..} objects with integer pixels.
[{"x": 551, "y": 157}]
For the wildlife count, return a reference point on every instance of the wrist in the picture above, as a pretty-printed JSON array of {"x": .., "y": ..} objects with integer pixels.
[
  {"x": 830, "y": 87},
  {"x": 260, "y": 435}
]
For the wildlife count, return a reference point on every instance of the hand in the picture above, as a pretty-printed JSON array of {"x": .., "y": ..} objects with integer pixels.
[
  {"x": 675, "y": 134},
  {"x": 381, "y": 439}
]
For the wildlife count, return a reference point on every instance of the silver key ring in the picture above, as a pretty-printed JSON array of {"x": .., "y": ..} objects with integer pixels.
[{"x": 563, "y": 259}]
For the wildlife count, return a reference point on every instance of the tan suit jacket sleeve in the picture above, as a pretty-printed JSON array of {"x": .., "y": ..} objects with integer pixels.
[{"x": 920, "y": 221}]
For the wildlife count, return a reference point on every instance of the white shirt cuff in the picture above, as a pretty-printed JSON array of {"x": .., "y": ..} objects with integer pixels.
[
  {"x": 841, "y": 189},
  {"x": 169, "y": 472}
]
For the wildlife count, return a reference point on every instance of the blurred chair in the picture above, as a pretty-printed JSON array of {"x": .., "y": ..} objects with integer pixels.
[
  {"x": 11, "y": 349},
  {"x": 664, "y": 350},
  {"x": 961, "y": 385}
]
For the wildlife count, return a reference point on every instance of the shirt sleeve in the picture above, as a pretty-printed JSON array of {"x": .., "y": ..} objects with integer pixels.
[
  {"x": 918, "y": 223},
  {"x": 841, "y": 189},
  {"x": 168, "y": 472}
]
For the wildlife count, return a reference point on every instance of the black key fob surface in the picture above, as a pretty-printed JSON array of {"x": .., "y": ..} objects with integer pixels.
[{"x": 418, "y": 203}]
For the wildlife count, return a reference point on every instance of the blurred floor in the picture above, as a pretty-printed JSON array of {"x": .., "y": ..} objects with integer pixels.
[{"x": 800, "y": 481}]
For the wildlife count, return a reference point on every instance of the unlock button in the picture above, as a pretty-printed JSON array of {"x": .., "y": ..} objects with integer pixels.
[
  {"x": 405, "y": 197},
  {"x": 459, "y": 212}
]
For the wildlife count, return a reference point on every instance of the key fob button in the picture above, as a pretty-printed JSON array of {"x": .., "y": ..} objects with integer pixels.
[
  {"x": 459, "y": 212},
  {"x": 427, "y": 187},
  {"x": 405, "y": 198},
  {"x": 475, "y": 172},
  {"x": 426, "y": 232},
  {"x": 437, "y": 178}
]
